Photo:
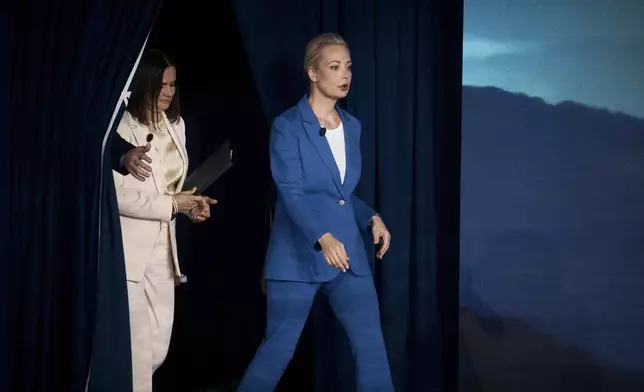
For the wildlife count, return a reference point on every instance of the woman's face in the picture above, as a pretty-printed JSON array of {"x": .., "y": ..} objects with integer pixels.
[
  {"x": 168, "y": 88},
  {"x": 333, "y": 73}
]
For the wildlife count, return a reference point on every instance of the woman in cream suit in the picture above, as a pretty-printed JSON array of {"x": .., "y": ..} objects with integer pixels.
[{"x": 147, "y": 211}]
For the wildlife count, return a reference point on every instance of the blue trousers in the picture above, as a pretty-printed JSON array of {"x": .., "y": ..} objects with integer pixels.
[{"x": 354, "y": 302}]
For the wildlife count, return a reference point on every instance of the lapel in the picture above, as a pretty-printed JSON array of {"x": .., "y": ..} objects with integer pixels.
[
  {"x": 312, "y": 127},
  {"x": 352, "y": 148},
  {"x": 140, "y": 133}
]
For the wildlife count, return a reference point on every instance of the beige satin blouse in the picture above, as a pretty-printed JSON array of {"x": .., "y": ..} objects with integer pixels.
[{"x": 172, "y": 162}]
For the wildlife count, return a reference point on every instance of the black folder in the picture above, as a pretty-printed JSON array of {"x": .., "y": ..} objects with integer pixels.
[{"x": 211, "y": 169}]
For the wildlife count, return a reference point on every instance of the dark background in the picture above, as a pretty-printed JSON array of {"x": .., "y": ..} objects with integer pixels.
[
  {"x": 66, "y": 66},
  {"x": 238, "y": 68},
  {"x": 220, "y": 312}
]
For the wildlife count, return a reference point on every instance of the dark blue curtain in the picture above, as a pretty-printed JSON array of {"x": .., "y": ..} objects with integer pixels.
[
  {"x": 406, "y": 92},
  {"x": 219, "y": 312},
  {"x": 5, "y": 264},
  {"x": 67, "y": 64}
]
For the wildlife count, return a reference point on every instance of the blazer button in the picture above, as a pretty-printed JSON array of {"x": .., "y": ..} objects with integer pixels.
[{"x": 341, "y": 202}]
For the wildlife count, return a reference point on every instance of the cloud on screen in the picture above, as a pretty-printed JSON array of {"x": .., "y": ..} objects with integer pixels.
[{"x": 480, "y": 48}]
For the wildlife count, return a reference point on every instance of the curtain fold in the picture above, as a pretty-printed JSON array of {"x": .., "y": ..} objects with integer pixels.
[
  {"x": 6, "y": 24},
  {"x": 68, "y": 61},
  {"x": 406, "y": 92}
]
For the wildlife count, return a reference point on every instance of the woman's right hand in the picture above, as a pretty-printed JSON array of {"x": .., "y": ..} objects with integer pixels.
[
  {"x": 334, "y": 252},
  {"x": 186, "y": 200}
]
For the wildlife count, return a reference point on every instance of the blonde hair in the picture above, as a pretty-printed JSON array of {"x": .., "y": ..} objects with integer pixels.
[{"x": 315, "y": 46}]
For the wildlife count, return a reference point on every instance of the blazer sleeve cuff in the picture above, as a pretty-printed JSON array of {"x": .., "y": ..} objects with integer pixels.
[
  {"x": 316, "y": 241},
  {"x": 166, "y": 208}
]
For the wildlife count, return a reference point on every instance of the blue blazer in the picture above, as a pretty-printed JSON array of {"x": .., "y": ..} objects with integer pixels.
[{"x": 312, "y": 200}]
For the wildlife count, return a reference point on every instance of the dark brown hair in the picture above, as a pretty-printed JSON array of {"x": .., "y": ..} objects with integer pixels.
[{"x": 146, "y": 87}]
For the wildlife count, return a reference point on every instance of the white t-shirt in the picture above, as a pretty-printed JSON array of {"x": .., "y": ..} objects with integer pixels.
[{"x": 335, "y": 137}]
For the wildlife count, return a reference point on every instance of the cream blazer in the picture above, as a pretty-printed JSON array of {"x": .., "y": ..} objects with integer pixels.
[{"x": 144, "y": 206}]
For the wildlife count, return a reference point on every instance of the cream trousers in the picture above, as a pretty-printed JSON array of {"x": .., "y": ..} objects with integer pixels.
[{"x": 151, "y": 304}]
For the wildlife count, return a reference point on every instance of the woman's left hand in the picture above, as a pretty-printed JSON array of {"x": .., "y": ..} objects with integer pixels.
[
  {"x": 202, "y": 211},
  {"x": 380, "y": 235}
]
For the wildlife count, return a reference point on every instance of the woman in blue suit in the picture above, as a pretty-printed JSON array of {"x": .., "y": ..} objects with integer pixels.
[{"x": 315, "y": 241}]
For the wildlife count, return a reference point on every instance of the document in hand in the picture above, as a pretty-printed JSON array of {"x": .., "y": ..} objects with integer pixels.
[{"x": 211, "y": 169}]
